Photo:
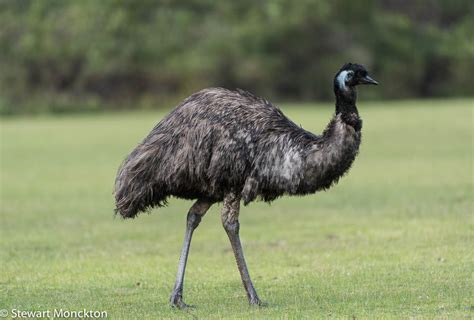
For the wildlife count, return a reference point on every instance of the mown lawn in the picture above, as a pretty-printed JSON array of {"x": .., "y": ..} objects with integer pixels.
[{"x": 393, "y": 239}]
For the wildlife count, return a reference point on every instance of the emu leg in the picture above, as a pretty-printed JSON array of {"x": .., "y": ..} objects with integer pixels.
[
  {"x": 230, "y": 221},
  {"x": 197, "y": 211}
]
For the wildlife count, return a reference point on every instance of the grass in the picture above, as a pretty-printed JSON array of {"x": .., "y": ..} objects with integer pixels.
[{"x": 392, "y": 240}]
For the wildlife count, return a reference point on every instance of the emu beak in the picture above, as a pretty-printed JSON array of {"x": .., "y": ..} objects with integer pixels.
[{"x": 368, "y": 80}]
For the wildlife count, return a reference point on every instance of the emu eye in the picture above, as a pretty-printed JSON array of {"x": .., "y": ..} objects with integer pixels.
[{"x": 349, "y": 75}]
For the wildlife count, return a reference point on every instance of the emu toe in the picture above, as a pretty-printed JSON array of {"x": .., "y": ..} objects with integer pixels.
[
  {"x": 258, "y": 303},
  {"x": 177, "y": 302}
]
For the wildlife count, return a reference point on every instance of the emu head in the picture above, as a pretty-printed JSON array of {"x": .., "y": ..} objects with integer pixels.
[{"x": 351, "y": 75}]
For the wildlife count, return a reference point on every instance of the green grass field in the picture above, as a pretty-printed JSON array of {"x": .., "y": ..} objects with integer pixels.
[{"x": 392, "y": 240}]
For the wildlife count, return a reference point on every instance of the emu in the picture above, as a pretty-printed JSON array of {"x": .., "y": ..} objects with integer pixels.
[{"x": 221, "y": 145}]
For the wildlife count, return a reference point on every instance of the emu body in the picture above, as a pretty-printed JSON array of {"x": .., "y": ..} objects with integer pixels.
[
  {"x": 223, "y": 145},
  {"x": 220, "y": 141}
]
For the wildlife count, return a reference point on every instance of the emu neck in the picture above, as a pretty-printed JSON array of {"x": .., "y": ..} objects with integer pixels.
[
  {"x": 346, "y": 101},
  {"x": 333, "y": 155},
  {"x": 346, "y": 107}
]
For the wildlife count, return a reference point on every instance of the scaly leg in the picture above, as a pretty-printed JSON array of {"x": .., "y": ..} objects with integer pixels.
[
  {"x": 197, "y": 211},
  {"x": 230, "y": 221}
]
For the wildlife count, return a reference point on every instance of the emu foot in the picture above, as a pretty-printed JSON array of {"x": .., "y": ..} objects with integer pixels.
[
  {"x": 256, "y": 302},
  {"x": 176, "y": 301}
]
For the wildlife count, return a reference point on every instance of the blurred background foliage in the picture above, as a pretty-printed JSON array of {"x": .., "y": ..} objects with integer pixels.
[{"x": 65, "y": 55}]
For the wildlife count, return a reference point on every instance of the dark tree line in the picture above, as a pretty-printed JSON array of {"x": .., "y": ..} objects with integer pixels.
[{"x": 63, "y": 55}]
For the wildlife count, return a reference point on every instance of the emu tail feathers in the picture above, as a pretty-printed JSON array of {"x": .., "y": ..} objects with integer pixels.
[{"x": 135, "y": 189}]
